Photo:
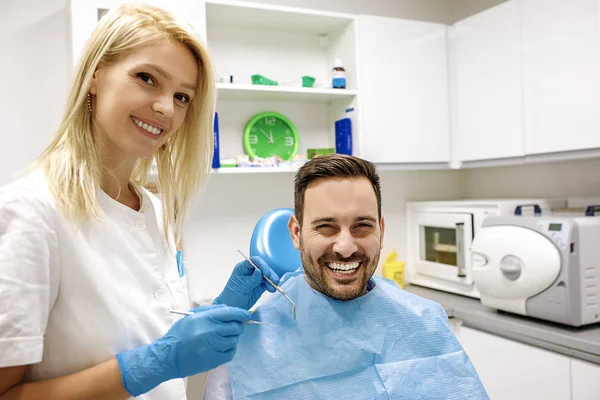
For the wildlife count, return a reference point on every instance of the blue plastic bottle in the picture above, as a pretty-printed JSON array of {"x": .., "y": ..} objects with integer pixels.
[
  {"x": 343, "y": 136},
  {"x": 216, "y": 161}
]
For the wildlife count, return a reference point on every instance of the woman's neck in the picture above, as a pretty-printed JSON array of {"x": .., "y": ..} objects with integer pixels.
[
  {"x": 116, "y": 184},
  {"x": 117, "y": 166}
]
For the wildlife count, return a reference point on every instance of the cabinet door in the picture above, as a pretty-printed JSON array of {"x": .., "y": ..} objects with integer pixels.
[
  {"x": 510, "y": 370},
  {"x": 403, "y": 95},
  {"x": 561, "y": 74},
  {"x": 585, "y": 380},
  {"x": 486, "y": 65}
]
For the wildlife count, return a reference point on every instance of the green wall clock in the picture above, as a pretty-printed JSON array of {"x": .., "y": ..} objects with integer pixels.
[{"x": 270, "y": 134}]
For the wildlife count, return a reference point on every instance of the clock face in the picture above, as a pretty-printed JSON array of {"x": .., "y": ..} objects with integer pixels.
[{"x": 271, "y": 134}]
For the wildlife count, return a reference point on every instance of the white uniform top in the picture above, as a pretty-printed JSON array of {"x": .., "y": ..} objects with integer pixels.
[
  {"x": 217, "y": 385},
  {"x": 74, "y": 296}
]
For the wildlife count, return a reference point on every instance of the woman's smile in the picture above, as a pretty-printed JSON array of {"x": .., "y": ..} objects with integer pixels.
[{"x": 152, "y": 130}]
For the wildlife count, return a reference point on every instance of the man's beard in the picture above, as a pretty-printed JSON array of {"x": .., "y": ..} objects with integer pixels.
[{"x": 317, "y": 272}]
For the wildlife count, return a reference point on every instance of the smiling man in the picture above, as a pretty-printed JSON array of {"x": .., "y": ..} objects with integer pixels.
[
  {"x": 356, "y": 335},
  {"x": 340, "y": 233}
]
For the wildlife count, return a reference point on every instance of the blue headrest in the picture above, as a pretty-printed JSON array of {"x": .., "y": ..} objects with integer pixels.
[{"x": 272, "y": 242}]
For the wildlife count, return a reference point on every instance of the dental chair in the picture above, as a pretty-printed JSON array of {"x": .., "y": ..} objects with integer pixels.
[{"x": 272, "y": 242}]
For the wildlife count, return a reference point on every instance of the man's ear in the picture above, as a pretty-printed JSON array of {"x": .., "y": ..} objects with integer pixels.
[
  {"x": 382, "y": 225},
  {"x": 294, "y": 228}
]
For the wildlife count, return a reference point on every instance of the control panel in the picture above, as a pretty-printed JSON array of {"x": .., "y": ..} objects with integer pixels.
[{"x": 559, "y": 231}]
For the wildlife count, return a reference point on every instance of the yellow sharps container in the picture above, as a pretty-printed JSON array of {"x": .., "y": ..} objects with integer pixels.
[{"x": 393, "y": 269}]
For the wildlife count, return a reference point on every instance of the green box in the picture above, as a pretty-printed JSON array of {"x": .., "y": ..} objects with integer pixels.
[
  {"x": 308, "y": 81},
  {"x": 261, "y": 80},
  {"x": 312, "y": 153}
]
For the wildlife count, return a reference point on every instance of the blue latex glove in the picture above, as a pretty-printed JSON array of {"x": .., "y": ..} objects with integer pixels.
[
  {"x": 246, "y": 284},
  {"x": 194, "y": 344}
]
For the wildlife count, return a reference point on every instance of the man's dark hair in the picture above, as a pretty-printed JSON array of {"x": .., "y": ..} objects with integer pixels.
[{"x": 335, "y": 165}]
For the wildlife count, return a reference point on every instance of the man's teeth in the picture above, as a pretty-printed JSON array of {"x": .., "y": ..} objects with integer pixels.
[
  {"x": 343, "y": 268},
  {"x": 152, "y": 129}
]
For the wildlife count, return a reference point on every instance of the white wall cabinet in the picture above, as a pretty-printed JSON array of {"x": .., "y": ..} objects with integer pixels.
[
  {"x": 403, "y": 83},
  {"x": 516, "y": 371},
  {"x": 485, "y": 54},
  {"x": 510, "y": 370},
  {"x": 585, "y": 380},
  {"x": 561, "y": 74},
  {"x": 526, "y": 79}
]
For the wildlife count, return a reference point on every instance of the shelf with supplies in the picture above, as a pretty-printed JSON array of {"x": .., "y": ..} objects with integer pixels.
[
  {"x": 232, "y": 91},
  {"x": 277, "y": 68},
  {"x": 294, "y": 168}
]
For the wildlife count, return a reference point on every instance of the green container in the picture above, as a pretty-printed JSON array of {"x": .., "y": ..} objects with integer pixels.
[
  {"x": 308, "y": 81},
  {"x": 261, "y": 80}
]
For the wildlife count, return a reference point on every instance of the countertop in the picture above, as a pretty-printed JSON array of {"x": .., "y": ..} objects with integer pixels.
[{"x": 582, "y": 342}]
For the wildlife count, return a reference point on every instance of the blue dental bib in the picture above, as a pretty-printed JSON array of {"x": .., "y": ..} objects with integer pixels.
[{"x": 387, "y": 344}]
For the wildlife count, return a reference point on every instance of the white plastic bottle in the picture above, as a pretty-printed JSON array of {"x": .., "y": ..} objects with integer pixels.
[{"x": 338, "y": 75}]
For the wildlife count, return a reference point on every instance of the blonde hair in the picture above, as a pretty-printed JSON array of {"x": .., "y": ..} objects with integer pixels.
[{"x": 72, "y": 162}]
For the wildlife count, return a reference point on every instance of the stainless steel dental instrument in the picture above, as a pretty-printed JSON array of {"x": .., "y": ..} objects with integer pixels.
[
  {"x": 274, "y": 285},
  {"x": 250, "y": 322}
]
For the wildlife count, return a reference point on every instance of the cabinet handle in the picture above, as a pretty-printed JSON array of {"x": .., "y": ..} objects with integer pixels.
[{"x": 460, "y": 249}]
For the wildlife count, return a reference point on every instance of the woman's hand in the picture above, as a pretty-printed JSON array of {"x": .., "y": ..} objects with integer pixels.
[
  {"x": 247, "y": 284},
  {"x": 194, "y": 344}
]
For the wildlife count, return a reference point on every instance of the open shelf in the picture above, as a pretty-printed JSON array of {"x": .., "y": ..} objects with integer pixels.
[
  {"x": 231, "y": 91},
  {"x": 283, "y": 44},
  {"x": 380, "y": 167}
]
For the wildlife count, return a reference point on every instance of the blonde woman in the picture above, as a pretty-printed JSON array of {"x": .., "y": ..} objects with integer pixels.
[{"x": 88, "y": 271}]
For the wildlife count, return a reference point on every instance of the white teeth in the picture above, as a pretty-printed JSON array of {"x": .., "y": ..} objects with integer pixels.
[
  {"x": 343, "y": 268},
  {"x": 152, "y": 129}
]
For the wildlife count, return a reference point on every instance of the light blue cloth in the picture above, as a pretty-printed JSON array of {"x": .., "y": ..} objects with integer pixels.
[{"x": 387, "y": 344}]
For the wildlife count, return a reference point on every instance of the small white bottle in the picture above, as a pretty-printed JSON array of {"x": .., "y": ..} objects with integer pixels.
[{"x": 338, "y": 75}]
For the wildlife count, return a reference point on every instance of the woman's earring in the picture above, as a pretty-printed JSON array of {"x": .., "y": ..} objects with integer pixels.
[
  {"x": 89, "y": 102},
  {"x": 163, "y": 147}
]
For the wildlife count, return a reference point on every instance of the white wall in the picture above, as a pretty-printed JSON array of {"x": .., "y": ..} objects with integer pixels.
[{"x": 33, "y": 79}]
